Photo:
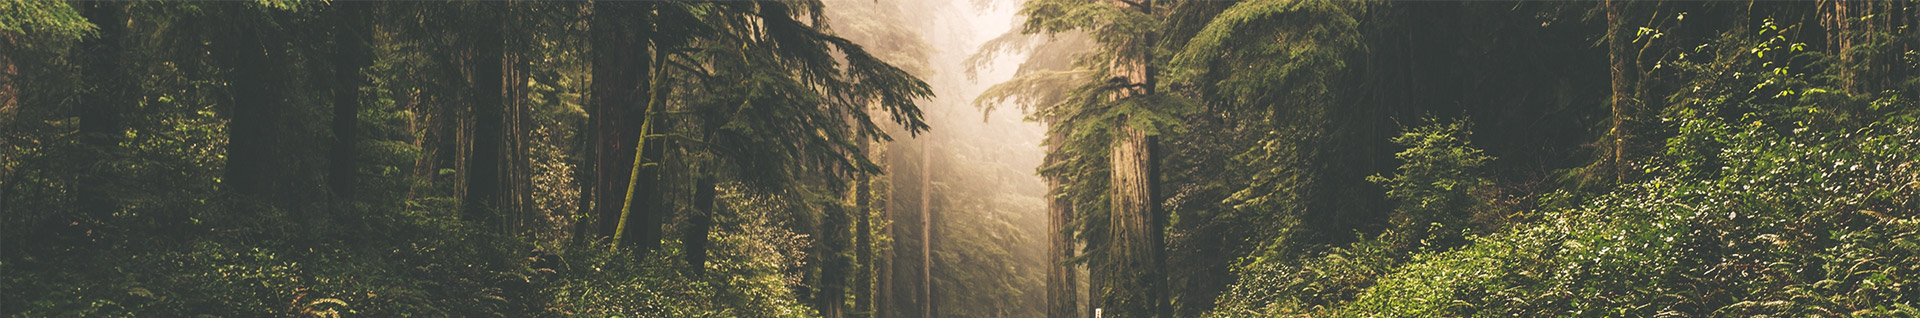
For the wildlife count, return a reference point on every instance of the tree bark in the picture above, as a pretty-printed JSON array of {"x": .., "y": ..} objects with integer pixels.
[
  {"x": 863, "y": 242},
  {"x": 1061, "y": 281},
  {"x": 1134, "y": 246},
  {"x": 618, "y": 78},
  {"x": 700, "y": 222},
  {"x": 349, "y": 56},
  {"x": 482, "y": 202},
  {"x": 640, "y": 212},
  {"x": 1620, "y": 60}
]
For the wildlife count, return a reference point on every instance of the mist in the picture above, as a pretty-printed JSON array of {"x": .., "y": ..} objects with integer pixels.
[{"x": 977, "y": 165}]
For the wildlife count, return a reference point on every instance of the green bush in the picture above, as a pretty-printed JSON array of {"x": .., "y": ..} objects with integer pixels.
[
  {"x": 1436, "y": 187},
  {"x": 1794, "y": 224}
]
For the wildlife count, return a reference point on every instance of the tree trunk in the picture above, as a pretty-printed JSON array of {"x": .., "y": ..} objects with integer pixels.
[
  {"x": 518, "y": 207},
  {"x": 649, "y": 203},
  {"x": 885, "y": 294},
  {"x": 1838, "y": 20},
  {"x": 583, "y": 174},
  {"x": 1620, "y": 59},
  {"x": 618, "y": 77},
  {"x": 926, "y": 227},
  {"x": 700, "y": 222},
  {"x": 639, "y": 211},
  {"x": 863, "y": 242},
  {"x": 1096, "y": 289},
  {"x": 523, "y": 216},
  {"x": 1061, "y": 281},
  {"x": 349, "y": 56},
  {"x": 101, "y": 129},
  {"x": 482, "y": 202},
  {"x": 834, "y": 264},
  {"x": 1134, "y": 246},
  {"x": 253, "y": 55}
]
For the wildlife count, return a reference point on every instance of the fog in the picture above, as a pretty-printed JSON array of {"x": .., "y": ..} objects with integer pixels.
[{"x": 985, "y": 199}]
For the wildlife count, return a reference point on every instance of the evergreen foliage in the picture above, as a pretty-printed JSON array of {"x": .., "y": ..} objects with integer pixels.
[{"x": 1240, "y": 158}]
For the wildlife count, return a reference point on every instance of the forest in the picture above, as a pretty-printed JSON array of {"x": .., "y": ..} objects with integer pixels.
[{"x": 960, "y": 158}]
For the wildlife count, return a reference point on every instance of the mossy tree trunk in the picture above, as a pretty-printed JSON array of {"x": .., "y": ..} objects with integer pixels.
[{"x": 1062, "y": 288}]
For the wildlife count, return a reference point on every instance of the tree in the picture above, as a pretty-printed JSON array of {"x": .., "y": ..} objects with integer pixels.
[
  {"x": 100, "y": 114},
  {"x": 926, "y": 230},
  {"x": 255, "y": 55},
  {"x": 1062, "y": 285},
  {"x": 863, "y": 288},
  {"x": 1040, "y": 83},
  {"x": 350, "y": 54},
  {"x": 620, "y": 69},
  {"x": 751, "y": 94},
  {"x": 486, "y": 61},
  {"x": 1124, "y": 97},
  {"x": 1622, "y": 62}
]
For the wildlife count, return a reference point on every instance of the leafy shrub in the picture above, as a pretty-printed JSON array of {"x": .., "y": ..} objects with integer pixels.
[
  {"x": 1435, "y": 184},
  {"x": 1436, "y": 189},
  {"x": 1794, "y": 224}
]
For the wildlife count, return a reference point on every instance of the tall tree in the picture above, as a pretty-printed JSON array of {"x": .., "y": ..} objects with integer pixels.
[
  {"x": 350, "y": 54},
  {"x": 1621, "y": 61},
  {"x": 887, "y": 290},
  {"x": 1062, "y": 283},
  {"x": 863, "y": 240},
  {"x": 1127, "y": 32},
  {"x": 620, "y": 69},
  {"x": 700, "y": 223},
  {"x": 486, "y": 62},
  {"x": 1042, "y": 82},
  {"x": 101, "y": 127},
  {"x": 926, "y": 229},
  {"x": 255, "y": 56},
  {"x": 639, "y": 220}
]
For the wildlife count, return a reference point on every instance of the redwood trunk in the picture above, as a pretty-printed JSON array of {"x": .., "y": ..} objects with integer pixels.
[
  {"x": 1134, "y": 247},
  {"x": 482, "y": 202},
  {"x": 619, "y": 74},
  {"x": 1061, "y": 281}
]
